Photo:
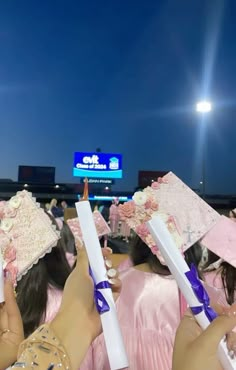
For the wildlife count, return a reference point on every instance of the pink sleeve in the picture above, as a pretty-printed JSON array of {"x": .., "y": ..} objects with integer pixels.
[
  {"x": 70, "y": 259},
  {"x": 53, "y": 303}
]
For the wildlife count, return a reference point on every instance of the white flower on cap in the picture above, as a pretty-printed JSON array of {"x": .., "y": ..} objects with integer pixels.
[
  {"x": 6, "y": 224},
  {"x": 15, "y": 202},
  {"x": 139, "y": 198}
]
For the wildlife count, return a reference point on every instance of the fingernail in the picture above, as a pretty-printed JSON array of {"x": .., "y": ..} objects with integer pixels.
[
  {"x": 111, "y": 273},
  {"x": 109, "y": 249},
  {"x": 108, "y": 263},
  {"x": 112, "y": 281},
  {"x": 232, "y": 310}
]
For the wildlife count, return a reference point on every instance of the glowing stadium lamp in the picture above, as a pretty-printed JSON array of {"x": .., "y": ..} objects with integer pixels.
[{"x": 204, "y": 106}]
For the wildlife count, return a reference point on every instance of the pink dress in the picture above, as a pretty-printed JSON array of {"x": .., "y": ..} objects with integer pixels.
[
  {"x": 114, "y": 218},
  {"x": 53, "y": 303},
  {"x": 149, "y": 314},
  {"x": 124, "y": 230}
]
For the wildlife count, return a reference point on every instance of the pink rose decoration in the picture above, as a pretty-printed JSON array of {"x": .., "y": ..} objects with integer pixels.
[
  {"x": 142, "y": 231},
  {"x": 161, "y": 180},
  {"x": 148, "y": 204},
  {"x": 151, "y": 204},
  {"x": 154, "y": 206},
  {"x": 127, "y": 209},
  {"x": 155, "y": 185},
  {"x": 157, "y": 253},
  {"x": 154, "y": 249}
]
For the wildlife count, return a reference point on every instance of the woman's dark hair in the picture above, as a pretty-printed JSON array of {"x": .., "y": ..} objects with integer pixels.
[
  {"x": 68, "y": 238},
  {"x": 32, "y": 289},
  {"x": 233, "y": 213},
  {"x": 211, "y": 258},
  {"x": 194, "y": 255},
  {"x": 141, "y": 253},
  {"x": 228, "y": 276}
]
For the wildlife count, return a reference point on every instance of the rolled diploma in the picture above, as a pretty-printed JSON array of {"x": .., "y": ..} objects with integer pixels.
[
  {"x": 111, "y": 330},
  {"x": 178, "y": 268},
  {"x": 1, "y": 282}
]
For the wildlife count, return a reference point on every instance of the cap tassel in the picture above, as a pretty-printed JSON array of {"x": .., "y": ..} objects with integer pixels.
[{"x": 86, "y": 190}]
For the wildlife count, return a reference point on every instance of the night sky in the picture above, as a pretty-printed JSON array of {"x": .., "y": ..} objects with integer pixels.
[{"x": 123, "y": 76}]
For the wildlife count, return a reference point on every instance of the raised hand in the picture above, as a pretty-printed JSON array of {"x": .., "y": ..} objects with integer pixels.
[{"x": 11, "y": 327}]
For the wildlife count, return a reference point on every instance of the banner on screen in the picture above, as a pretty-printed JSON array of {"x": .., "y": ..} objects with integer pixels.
[
  {"x": 108, "y": 198},
  {"x": 97, "y": 165},
  {"x": 98, "y": 181}
]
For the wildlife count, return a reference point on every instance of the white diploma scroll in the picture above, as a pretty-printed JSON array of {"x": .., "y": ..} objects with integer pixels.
[
  {"x": 111, "y": 330},
  {"x": 178, "y": 268}
]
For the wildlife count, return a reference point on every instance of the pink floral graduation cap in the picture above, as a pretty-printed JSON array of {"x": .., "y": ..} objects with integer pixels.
[
  {"x": 187, "y": 216},
  {"x": 221, "y": 240},
  {"x": 100, "y": 223},
  {"x": 26, "y": 234}
]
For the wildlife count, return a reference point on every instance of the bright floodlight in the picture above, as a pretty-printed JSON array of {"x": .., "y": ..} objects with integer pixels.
[{"x": 204, "y": 106}]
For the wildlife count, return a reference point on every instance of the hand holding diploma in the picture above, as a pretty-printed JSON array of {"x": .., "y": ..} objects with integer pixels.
[
  {"x": 196, "y": 349},
  {"x": 188, "y": 283},
  {"x": 103, "y": 294}
]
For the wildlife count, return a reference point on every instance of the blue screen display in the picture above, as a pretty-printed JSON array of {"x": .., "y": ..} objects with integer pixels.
[{"x": 98, "y": 165}]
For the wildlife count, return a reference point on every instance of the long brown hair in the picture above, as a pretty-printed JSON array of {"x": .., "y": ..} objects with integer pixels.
[{"x": 32, "y": 289}]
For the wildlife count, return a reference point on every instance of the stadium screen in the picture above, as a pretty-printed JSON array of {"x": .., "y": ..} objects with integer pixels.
[{"x": 97, "y": 165}]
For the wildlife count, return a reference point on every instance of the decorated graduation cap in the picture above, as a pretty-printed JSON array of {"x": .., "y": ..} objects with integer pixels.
[
  {"x": 26, "y": 234},
  {"x": 100, "y": 223},
  {"x": 186, "y": 215},
  {"x": 221, "y": 240}
]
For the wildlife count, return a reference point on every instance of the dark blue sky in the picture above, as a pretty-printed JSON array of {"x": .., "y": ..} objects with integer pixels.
[{"x": 120, "y": 75}]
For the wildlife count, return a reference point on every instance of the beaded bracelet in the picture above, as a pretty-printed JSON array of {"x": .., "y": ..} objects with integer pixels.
[{"x": 42, "y": 350}]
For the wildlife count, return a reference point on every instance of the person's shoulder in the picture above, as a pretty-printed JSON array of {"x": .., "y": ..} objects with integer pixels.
[{"x": 133, "y": 273}]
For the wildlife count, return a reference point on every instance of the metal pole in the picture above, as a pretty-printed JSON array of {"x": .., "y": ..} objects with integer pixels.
[
  {"x": 204, "y": 172},
  {"x": 204, "y": 155}
]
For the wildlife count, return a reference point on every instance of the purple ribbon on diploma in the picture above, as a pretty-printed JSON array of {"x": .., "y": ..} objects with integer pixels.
[
  {"x": 100, "y": 301},
  {"x": 201, "y": 294}
]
